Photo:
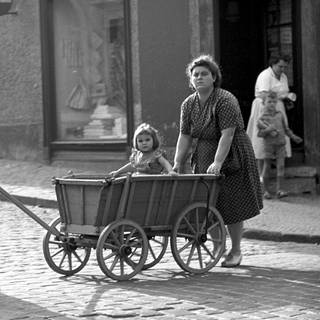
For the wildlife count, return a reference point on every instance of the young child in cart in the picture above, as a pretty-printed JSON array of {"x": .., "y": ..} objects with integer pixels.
[
  {"x": 273, "y": 128},
  {"x": 146, "y": 156}
]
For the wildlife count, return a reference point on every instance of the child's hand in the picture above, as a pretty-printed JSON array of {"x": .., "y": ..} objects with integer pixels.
[
  {"x": 271, "y": 127},
  {"x": 173, "y": 173},
  {"x": 113, "y": 174},
  {"x": 273, "y": 133}
]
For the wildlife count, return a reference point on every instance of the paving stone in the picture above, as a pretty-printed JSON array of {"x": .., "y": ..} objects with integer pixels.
[{"x": 279, "y": 279}]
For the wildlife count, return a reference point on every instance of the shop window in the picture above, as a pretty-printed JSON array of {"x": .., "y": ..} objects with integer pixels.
[{"x": 89, "y": 64}]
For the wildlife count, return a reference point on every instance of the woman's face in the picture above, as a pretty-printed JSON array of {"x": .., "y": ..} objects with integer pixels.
[
  {"x": 201, "y": 78},
  {"x": 279, "y": 68}
]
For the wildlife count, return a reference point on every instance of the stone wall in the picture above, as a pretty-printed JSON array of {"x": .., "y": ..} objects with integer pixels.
[
  {"x": 21, "y": 123},
  {"x": 310, "y": 38}
]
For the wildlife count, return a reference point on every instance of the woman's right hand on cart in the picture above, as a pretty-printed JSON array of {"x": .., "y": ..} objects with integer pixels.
[{"x": 214, "y": 168}]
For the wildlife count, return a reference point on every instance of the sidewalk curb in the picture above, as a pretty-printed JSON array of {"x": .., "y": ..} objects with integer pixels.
[
  {"x": 280, "y": 237},
  {"x": 34, "y": 201},
  {"x": 256, "y": 234}
]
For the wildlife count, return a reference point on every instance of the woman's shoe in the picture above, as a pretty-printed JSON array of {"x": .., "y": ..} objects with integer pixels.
[
  {"x": 282, "y": 194},
  {"x": 231, "y": 260}
]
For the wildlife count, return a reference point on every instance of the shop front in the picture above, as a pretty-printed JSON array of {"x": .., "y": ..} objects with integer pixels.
[{"x": 79, "y": 75}]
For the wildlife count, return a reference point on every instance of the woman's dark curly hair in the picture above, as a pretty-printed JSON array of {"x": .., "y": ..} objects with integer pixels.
[
  {"x": 208, "y": 62},
  {"x": 276, "y": 57}
]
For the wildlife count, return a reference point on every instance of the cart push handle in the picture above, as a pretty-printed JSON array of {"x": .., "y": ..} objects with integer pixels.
[
  {"x": 208, "y": 203},
  {"x": 20, "y": 205}
]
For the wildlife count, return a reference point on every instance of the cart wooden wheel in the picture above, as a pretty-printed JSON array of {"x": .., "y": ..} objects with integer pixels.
[
  {"x": 198, "y": 242},
  {"x": 62, "y": 254},
  {"x": 122, "y": 249},
  {"x": 157, "y": 248}
]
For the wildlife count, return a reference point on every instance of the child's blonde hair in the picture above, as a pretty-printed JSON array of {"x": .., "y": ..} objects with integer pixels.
[
  {"x": 271, "y": 95},
  {"x": 145, "y": 128}
]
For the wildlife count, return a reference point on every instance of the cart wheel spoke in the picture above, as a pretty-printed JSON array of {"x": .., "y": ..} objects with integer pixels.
[
  {"x": 130, "y": 236},
  {"x": 207, "y": 251},
  {"x": 62, "y": 259},
  {"x": 112, "y": 254},
  {"x": 129, "y": 244},
  {"x": 63, "y": 255},
  {"x": 200, "y": 256},
  {"x": 77, "y": 257},
  {"x": 114, "y": 262},
  {"x": 55, "y": 242},
  {"x": 152, "y": 253},
  {"x": 186, "y": 235},
  {"x": 135, "y": 253},
  {"x": 187, "y": 245},
  {"x": 197, "y": 220},
  {"x": 121, "y": 267},
  {"x": 57, "y": 252},
  {"x": 204, "y": 230},
  {"x": 110, "y": 246},
  {"x": 157, "y": 247},
  {"x": 115, "y": 238},
  {"x": 189, "y": 225},
  {"x": 70, "y": 261},
  {"x": 130, "y": 263},
  {"x": 191, "y": 253}
]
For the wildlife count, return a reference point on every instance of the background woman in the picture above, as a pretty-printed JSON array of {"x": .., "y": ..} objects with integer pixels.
[
  {"x": 212, "y": 116},
  {"x": 271, "y": 79}
]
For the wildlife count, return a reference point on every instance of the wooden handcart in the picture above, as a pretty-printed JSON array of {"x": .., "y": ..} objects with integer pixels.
[{"x": 129, "y": 221}]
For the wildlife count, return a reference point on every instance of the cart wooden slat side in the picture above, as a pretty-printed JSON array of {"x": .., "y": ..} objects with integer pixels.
[{"x": 89, "y": 203}]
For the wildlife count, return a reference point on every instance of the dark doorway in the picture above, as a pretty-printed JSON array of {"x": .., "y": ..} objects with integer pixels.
[
  {"x": 241, "y": 49},
  {"x": 249, "y": 32}
]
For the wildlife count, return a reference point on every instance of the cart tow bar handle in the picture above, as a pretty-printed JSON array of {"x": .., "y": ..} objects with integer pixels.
[
  {"x": 20, "y": 205},
  {"x": 208, "y": 202}
]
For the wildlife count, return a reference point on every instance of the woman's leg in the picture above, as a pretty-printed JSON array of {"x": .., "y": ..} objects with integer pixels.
[
  {"x": 234, "y": 257},
  {"x": 235, "y": 232},
  {"x": 280, "y": 177},
  {"x": 266, "y": 177},
  {"x": 260, "y": 163}
]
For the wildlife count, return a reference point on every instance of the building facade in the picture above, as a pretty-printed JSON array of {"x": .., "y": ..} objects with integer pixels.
[{"x": 77, "y": 76}]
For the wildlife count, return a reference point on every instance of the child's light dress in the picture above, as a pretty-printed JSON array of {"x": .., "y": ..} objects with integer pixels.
[{"x": 146, "y": 165}]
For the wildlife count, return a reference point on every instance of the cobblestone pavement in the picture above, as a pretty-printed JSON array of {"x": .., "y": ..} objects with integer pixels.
[{"x": 277, "y": 280}]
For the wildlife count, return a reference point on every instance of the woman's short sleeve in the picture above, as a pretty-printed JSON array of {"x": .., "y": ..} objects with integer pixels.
[
  {"x": 228, "y": 112},
  {"x": 263, "y": 82},
  {"x": 185, "y": 117}
]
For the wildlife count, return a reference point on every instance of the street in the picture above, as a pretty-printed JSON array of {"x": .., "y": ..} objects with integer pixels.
[{"x": 276, "y": 280}]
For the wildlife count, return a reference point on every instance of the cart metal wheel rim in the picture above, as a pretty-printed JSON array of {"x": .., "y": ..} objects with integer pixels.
[
  {"x": 122, "y": 249},
  {"x": 197, "y": 247},
  {"x": 63, "y": 255},
  {"x": 157, "y": 246}
]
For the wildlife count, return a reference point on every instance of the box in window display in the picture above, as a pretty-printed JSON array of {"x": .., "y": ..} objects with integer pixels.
[{"x": 106, "y": 122}]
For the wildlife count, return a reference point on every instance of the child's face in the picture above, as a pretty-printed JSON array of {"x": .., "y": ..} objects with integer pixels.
[
  {"x": 145, "y": 142},
  {"x": 270, "y": 104}
]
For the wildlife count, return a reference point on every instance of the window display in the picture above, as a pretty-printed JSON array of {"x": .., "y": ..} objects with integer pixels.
[{"x": 89, "y": 57}]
